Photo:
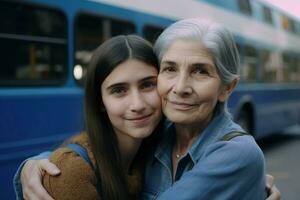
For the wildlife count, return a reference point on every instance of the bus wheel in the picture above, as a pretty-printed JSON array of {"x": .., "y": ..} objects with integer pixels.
[{"x": 244, "y": 120}]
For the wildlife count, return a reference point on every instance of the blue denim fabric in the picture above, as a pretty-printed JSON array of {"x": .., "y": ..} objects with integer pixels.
[
  {"x": 211, "y": 169},
  {"x": 17, "y": 177}
]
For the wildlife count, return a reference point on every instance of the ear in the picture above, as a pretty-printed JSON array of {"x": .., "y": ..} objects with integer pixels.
[{"x": 227, "y": 90}]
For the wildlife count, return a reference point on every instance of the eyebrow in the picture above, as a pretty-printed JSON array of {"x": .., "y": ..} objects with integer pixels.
[
  {"x": 200, "y": 64},
  {"x": 148, "y": 78},
  {"x": 206, "y": 65},
  {"x": 192, "y": 64},
  {"x": 124, "y": 83},
  {"x": 168, "y": 62}
]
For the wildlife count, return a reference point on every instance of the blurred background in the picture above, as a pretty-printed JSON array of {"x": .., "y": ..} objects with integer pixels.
[{"x": 45, "y": 46}]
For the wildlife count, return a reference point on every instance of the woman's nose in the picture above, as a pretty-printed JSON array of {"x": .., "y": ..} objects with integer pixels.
[{"x": 182, "y": 86}]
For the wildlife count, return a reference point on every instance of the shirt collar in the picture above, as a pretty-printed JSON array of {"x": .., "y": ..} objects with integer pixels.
[
  {"x": 220, "y": 124},
  {"x": 164, "y": 149},
  {"x": 209, "y": 135}
]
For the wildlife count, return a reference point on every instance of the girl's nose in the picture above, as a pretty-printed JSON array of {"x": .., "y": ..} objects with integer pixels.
[{"x": 137, "y": 102}]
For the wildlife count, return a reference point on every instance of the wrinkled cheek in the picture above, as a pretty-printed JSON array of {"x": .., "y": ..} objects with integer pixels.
[
  {"x": 206, "y": 110},
  {"x": 157, "y": 101},
  {"x": 163, "y": 105},
  {"x": 162, "y": 85}
]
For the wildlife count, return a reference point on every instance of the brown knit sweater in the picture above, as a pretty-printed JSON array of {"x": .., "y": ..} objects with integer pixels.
[{"x": 77, "y": 179}]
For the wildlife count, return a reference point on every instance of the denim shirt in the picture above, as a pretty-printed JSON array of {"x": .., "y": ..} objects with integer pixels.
[{"x": 211, "y": 168}]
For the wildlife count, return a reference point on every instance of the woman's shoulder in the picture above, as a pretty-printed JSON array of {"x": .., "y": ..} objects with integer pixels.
[
  {"x": 243, "y": 150},
  {"x": 243, "y": 143}
]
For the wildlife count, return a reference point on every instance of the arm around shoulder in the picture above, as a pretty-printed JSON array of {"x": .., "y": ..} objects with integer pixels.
[{"x": 76, "y": 181}]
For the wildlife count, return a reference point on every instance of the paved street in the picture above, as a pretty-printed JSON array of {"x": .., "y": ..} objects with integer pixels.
[{"x": 283, "y": 162}]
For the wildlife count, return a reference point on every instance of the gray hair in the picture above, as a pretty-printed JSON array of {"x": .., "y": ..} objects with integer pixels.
[{"x": 213, "y": 36}]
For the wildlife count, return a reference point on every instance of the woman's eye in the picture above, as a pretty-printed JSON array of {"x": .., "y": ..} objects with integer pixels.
[
  {"x": 168, "y": 69},
  {"x": 200, "y": 70}
]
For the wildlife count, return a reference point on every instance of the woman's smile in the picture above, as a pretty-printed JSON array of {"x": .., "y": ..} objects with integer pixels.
[{"x": 180, "y": 105}]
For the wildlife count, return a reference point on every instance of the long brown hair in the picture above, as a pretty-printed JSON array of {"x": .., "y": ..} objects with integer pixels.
[{"x": 103, "y": 140}]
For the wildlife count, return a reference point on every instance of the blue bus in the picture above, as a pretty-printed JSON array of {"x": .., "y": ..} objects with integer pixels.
[{"x": 45, "y": 46}]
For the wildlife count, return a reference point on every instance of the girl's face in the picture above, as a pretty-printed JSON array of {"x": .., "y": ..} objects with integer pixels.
[{"x": 130, "y": 99}]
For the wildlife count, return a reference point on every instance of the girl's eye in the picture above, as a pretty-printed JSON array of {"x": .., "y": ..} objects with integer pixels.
[
  {"x": 148, "y": 85},
  {"x": 118, "y": 91}
]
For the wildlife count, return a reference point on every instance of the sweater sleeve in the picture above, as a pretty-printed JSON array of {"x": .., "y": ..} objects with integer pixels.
[
  {"x": 228, "y": 170},
  {"x": 76, "y": 181}
]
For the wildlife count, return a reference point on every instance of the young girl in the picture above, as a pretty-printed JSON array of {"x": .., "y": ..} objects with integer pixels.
[{"x": 122, "y": 108}]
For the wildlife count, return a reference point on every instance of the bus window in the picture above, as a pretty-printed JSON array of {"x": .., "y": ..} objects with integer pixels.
[
  {"x": 121, "y": 27},
  {"x": 291, "y": 67},
  {"x": 249, "y": 64},
  {"x": 267, "y": 15},
  {"x": 296, "y": 75},
  {"x": 288, "y": 66},
  {"x": 272, "y": 66},
  {"x": 294, "y": 69},
  {"x": 90, "y": 32},
  {"x": 151, "y": 33},
  {"x": 245, "y": 7},
  {"x": 297, "y": 26},
  {"x": 288, "y": 24},
  {"x": 33, "y": 45},
  {"x": 268, "y": 72}
]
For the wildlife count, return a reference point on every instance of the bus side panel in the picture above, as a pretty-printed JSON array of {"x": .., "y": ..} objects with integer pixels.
[
  {"x": 278, "y": 107},
  {"x": 31, "y": 123}
]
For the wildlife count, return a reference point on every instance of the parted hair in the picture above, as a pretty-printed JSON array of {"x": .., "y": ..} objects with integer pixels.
[{"x": 102, "y": 138}]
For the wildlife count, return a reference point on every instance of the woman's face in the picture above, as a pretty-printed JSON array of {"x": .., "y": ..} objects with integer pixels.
[
  {"x": 189, "y": 84},
  {"x": 131, "y": 100}
]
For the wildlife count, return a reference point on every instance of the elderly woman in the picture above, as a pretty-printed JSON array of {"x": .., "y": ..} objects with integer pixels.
[{"x": 204, "y": 154}]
